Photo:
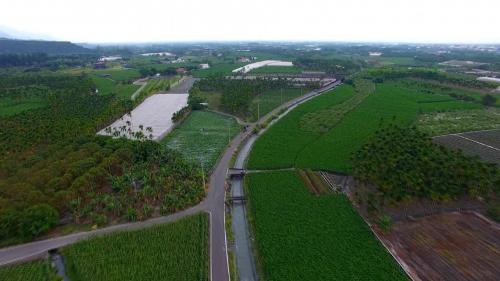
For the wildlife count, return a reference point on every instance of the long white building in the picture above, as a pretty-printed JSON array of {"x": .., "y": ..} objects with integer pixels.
[{"x": 249, "y": 67}]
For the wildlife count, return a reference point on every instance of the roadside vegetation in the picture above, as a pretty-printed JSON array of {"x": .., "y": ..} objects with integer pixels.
[
  {"x": 246, "y": 98},
  {"x": 202, "y": 137},
  {"x": 174, "y": 251},
  {"x": 302, "y": 236}
]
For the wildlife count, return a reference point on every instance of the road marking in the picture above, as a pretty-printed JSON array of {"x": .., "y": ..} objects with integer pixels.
[
  {"x": 480, "y": 143},
  {"x": 478, "y": 131},
  {"x": 211, "y": 244},
  {"x": 225, "y": 237}
]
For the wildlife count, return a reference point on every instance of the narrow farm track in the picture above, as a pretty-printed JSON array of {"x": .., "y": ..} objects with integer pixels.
[{"x": 214, "y": 204}]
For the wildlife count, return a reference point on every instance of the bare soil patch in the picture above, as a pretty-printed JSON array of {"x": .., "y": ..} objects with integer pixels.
[{"x": 450, "y": 246}]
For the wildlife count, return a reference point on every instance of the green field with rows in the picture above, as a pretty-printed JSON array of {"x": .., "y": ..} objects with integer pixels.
[
  {"x": 10, "y": 106},
  {"x": 175, "y": 251},
  {"x": 31, "y": 271},
  {"x": 392, "y": 102},
  {"x": 440, "y": 123},
  {"x": 107, "y": 86},
  {"x": 271, "y": 99},
  {"x": 276, "y": 69},
  {"x": 301, "y": 236},
  {"x": 118, "y": 74},
  {"x": 202, "y": 137},
  {"x": 278, "y": 147}
]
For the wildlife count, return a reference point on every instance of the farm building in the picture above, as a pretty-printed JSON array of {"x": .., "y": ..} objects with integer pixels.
[
  {"x": 204, "y": 66},
  {"x": 100, "y": 65},
  {"x": 243, "y": 59},
  {"x": 110, "y": 58}
]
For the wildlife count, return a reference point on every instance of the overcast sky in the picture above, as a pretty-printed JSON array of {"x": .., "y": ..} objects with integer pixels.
[{"x": 464, "y": 21}]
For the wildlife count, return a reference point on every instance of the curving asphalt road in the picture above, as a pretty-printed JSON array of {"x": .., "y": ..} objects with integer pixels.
[{"x": 214, "y": 204}]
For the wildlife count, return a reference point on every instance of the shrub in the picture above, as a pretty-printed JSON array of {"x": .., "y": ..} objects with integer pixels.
[
  {"x": 38, "y": 219},
  {"x": 385, "y": 223},
  {"x": 488, "y": 100},
  {"x": 9, "y": 222},
  {"x": 494, "y": 212}
]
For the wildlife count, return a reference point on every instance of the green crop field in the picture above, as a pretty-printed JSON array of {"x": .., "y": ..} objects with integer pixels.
[
  {"x": 301, "y": 236},
  {"x": 202, "y": 136},
  {"x": 287, "y": 144},
  {"x": 107, "y": 86},
  {"x": 10, "y": 107},
  {"x": 175, "y": 251},
  {"x": 430, "y": 86},
  {"x": 440, "y": 123},
  {"x": 276, "y": 69},
  {"x": 223, "y": 68},
  {"x": 278, "y": 147},
  {"x": 118, "y": 74},
  {"x": 271, "y": 99},
  {"x": 384, "y": 61},
  {"x": 450, "y": 105},
  {"x": 31, "y": 271}
]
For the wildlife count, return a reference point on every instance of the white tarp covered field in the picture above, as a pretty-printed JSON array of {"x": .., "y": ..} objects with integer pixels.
[
  {"x": 250, "y": 67},
  {"x": 153, "y": 117}
]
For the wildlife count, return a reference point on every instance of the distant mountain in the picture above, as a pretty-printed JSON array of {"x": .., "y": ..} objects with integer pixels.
[
  {"x": 4, "y": 35},
  {"x": 12, "y": 46}
]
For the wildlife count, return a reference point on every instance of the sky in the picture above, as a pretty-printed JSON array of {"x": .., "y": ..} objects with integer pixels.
[{"x": 111, "y": 21}]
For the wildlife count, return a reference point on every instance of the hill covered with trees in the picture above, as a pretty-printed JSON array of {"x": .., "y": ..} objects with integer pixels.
[{"x": 11, "y": 46}]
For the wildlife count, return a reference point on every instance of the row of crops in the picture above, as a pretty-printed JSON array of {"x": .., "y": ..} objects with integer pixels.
[
  {"x": 302, "y": 236},
  {"x": 32, "y": 271},
  {"x": 290, "y": 143},
  {"x": 175, "y": 251}
]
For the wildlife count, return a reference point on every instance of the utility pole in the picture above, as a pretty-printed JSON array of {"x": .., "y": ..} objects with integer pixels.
[
  {"x": 258, "y": 110},
  {"x": 202, "y": 172}
]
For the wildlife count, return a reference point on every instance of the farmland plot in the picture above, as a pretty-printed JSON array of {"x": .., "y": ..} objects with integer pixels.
[
  {"x": 155, "y": 113},
  {"x": 31, "y": 271},
  {"x": 485, "y": 144},
  {"x": 451, "y": 246},
  {"x": 302, "y": 236},
  {"x": 202, "y": 137},
  {"x": 440, "y": 123},
  {"x": 175, "y": 251},
  {"x": 288, "y": 144}
]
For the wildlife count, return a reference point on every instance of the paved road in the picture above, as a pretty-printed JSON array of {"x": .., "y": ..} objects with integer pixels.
[
  {"x": 182, "y": 87},
  {"x": 214, "y": 204}
]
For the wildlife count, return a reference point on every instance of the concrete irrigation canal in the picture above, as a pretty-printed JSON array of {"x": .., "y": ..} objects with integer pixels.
[{"x": 242, "y": 238}]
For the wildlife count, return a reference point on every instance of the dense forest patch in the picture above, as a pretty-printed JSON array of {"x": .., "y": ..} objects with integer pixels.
[{"x": 55, "y": 170}]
